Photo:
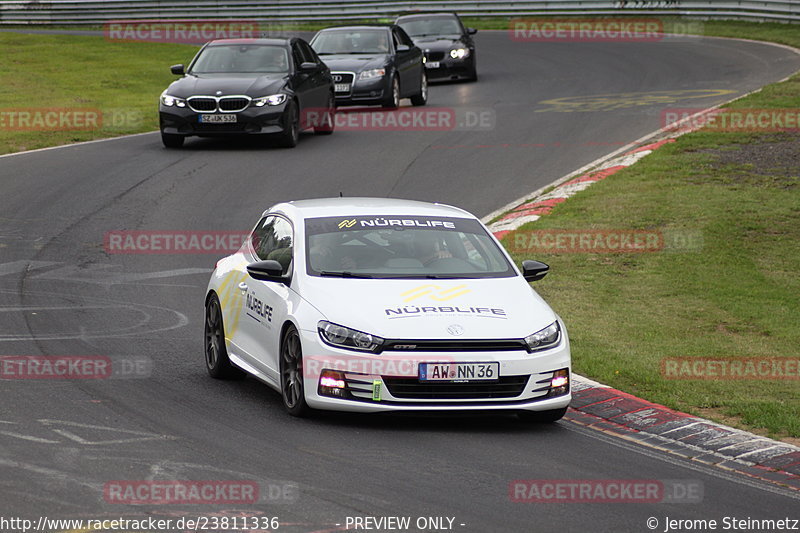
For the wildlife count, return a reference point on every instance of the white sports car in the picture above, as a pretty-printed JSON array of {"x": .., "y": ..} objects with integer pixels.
[{"x": 362, "y": 304}]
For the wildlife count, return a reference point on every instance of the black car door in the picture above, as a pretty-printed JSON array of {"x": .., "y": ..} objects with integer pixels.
[
  {"x": 301, "y": 80},
  {"x": 309, "y": 85},
  {"x": 408, "y": 62},
  {"x": 320, "y": 77}
]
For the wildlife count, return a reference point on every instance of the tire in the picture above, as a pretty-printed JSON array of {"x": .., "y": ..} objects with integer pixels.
[
  {"x": 217, "y": 362},
  {"x": 292, "y": 386},
  {"x": 542, "y": 417},
  {"x": 392, "y": 101},
  {"x": 421, "y": 98},
  {"x": 328, "y": 121},
  {"x": 291, "y": 128},
  {"x": 473, "y": 73},
  {"x": 171, "y": 140}
]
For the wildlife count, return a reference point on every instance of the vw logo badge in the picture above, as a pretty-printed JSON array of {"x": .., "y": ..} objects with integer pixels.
[{"x": 455, "y": 329}]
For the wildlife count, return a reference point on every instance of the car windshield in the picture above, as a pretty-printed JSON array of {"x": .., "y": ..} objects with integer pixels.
[
  {"x": 241, "y": 59},
  {"x": 351, "y": 42},
  {"x": 421, "y": 27},
  {"x": 402, "y": 247}
]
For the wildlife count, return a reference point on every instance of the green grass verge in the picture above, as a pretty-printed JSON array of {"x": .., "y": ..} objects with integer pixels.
[
  {"x": 738, "y": 296},
  {"x": 118, "y": 79}
]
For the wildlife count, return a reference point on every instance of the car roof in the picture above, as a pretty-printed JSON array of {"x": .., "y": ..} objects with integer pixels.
[
  {"x": 427, "y": 15},
  {"x": 272, "y": 42},
  {"x": 358, "y": 206},
  {"x": 359, "y": 27}
]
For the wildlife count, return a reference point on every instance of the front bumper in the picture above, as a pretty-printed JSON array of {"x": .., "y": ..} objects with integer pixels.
[
  {"x": 390, "y": 381},
  {"x": 253, "y": 120},
  {"x": 451, "y": 69},
  {"x": 365, "y": 92}
]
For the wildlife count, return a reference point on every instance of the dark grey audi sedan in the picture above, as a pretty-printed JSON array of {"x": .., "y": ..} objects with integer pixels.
[
  {"x": 271, "y": 87},
  {"x": 373, "y": 65}
]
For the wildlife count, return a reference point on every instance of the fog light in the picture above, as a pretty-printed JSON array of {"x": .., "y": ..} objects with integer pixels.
[
  {"x": 331, "y": 383},
  {"x": 559, "y": 384}
]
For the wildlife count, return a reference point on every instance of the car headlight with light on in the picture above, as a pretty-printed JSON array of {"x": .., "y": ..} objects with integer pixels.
[
  {"x": 273, "y": 99},
  {"x": 372, "y": 73},
  {"x": 544, "y": 338},
  {"x": 169, "y": 100},
  {"x": 459, "y": 53},
  {"x": 352, "y": 339}
]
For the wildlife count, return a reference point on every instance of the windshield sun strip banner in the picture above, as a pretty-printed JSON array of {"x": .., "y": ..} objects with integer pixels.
[{"x": 315, "y": 226}]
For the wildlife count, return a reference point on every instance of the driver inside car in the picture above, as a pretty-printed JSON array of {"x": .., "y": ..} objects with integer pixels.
[
  {"x": 325, "y": 256},
  {"x": 428, "y": 248}
]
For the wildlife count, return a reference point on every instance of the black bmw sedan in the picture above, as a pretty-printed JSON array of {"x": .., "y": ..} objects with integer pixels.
[
  {"x": 373, "y": 65},
  {"x": 448, "y": 45},
  {"x": 267, "y": 87}
]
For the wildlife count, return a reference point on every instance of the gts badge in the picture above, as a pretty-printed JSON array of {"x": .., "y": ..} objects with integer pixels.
[{"x": 256, "y": 308}]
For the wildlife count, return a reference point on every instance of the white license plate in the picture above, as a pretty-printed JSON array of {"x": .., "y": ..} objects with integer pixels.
[
  {"x": 217, "y": 119},
  {"x": 341, "y": 87},
  {"x": 431, "y": 64},
  {"x": 459, "y": 371}
]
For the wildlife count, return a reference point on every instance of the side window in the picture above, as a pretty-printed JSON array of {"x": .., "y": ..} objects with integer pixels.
[
  {"x": 273, "y": 239},
  {"x": 308, "y": 53},
  {"x": 396, "y": 38},
  {"x": 404, "y": 38},
  {"x": 297, "y": 55}
]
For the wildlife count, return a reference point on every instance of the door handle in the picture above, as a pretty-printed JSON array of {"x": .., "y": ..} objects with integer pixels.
[{"x": 243, "y": 286}]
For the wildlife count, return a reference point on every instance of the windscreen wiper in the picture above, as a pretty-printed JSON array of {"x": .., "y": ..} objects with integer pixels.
[
  {"x": 431, "y": 276},
  {"x": 343, "y": 274}
]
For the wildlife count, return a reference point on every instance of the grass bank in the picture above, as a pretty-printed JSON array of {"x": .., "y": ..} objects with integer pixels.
[
  {"x": 120, "y": 81},
  {"x": 733, "y": 294}
]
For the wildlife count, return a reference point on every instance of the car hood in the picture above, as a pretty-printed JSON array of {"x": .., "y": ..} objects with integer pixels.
[
  {"x": 209, "y": 84},
  {"x": 355, "y": 63},
  {"x": 438, "y": 43},
  {"x": 424, "y": 309}
]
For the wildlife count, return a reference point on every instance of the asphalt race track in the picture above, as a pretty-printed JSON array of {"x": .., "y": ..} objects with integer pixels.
[{"x": 62, "y": 441}]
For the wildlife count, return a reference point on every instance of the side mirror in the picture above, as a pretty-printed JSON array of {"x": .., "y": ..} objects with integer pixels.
[
  {"x": 308, "y": 65},
  {"x": 177, "y": 70},
  {"x": 269, "y": 270},
  {"x": 534, "y": 270},
  {"x": 403, "y": 48},
  {"x": 472, "y": 31}
]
